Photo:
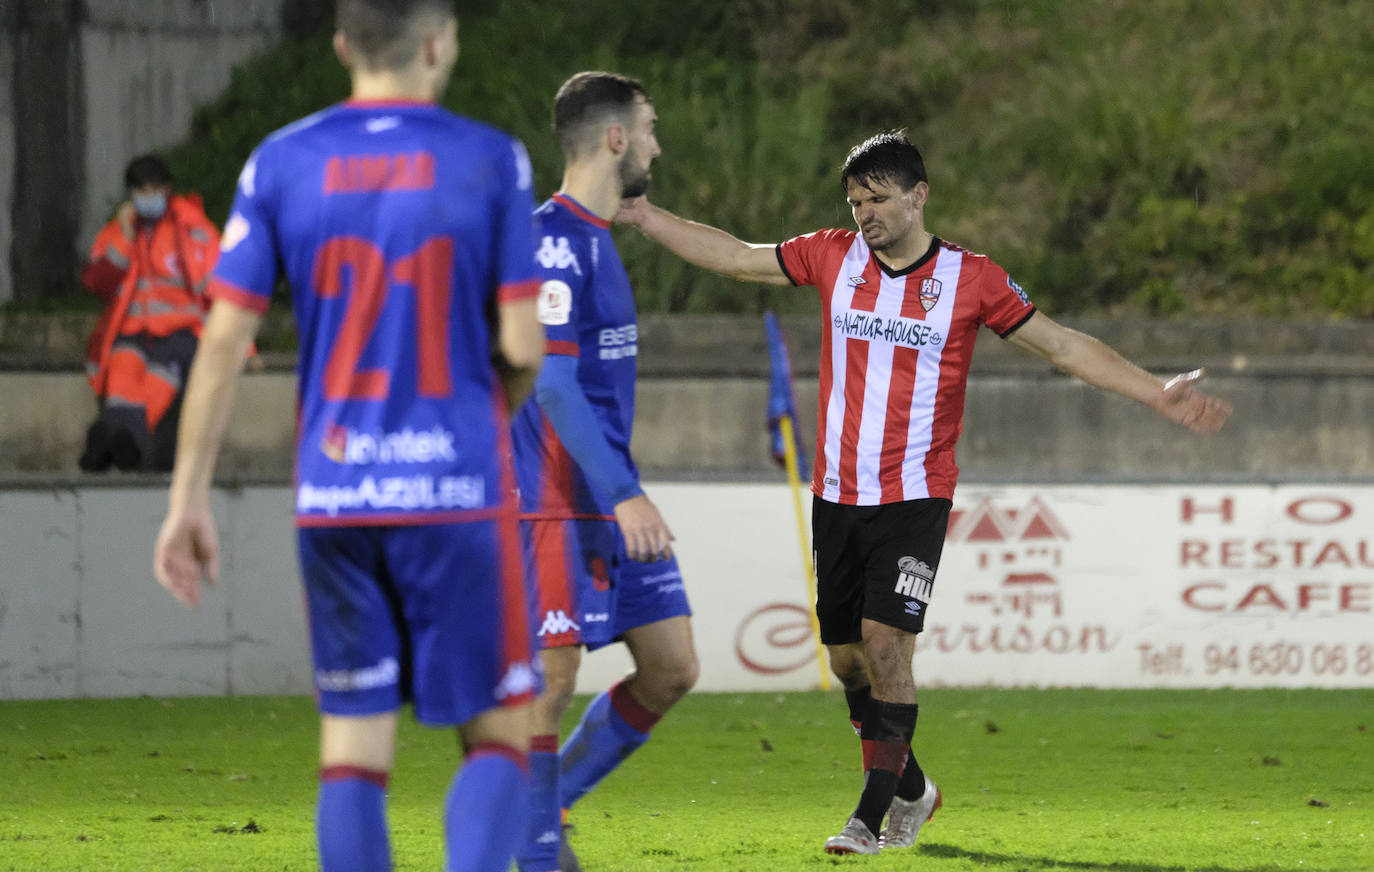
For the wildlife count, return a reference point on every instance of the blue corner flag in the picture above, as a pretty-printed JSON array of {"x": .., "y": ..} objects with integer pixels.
[{"x": 781, "y": 402}]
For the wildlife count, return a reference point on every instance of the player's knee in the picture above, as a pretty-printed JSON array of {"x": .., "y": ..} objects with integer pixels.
[
  {"x": 558, "y": 693},
  {"x": 669, "y": 681},
  {"x": 889, "y": 654},
  {"x": 847, "y": 664}
]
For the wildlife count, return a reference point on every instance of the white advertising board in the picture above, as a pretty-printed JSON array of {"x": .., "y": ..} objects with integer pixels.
[
  {"x": 1097, "y": 586},
  {"x": 1093, "y": 586}
]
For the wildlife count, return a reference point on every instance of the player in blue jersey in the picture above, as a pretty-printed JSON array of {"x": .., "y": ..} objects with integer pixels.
[
  {"x": 404, "y": 231},
  {"x": 599, "y": 552}
]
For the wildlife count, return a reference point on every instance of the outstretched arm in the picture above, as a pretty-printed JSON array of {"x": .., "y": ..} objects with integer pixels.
[
  {"x": 188, "y": 545},
  {"x": 1097, "y": 364},
  {"x": 704, "y": 245}
]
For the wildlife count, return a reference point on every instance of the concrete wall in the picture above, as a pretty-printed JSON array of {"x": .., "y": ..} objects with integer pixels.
[
  {"x": 148, "y": 66},
  {"x": 144, "y": 66},
  {"x": 7, "y": 150},
  {"x": 1304, "y": 399}
]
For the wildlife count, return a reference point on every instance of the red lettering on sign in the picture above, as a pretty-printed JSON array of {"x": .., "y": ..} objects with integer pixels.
[
  {"x": 1190, "y": 594},
  {"x": 1320, "y": 510},
  {"x": 1191, "y": 509}
]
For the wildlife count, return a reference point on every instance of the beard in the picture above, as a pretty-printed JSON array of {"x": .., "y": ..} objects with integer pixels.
[{"x": 634, "y": 180}]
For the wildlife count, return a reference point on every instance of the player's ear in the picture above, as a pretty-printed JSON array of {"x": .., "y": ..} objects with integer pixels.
[
  {"x": 617, "y": 139},
  {"x": 919, "y": 194},
  {"x": 341, "y": 50}
]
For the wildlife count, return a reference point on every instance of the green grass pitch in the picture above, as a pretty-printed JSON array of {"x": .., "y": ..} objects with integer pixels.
[{"x": 1134, "y": 781}]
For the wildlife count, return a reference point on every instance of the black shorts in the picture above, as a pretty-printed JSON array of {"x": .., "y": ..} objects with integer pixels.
[{"x": 875, "y": 562}]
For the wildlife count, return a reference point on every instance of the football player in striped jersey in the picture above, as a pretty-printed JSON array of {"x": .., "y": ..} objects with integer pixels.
[{"x": 901, "y": 310}]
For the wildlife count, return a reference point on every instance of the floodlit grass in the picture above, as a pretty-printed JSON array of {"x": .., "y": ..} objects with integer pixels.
[{"x": 1149, "y": 781}]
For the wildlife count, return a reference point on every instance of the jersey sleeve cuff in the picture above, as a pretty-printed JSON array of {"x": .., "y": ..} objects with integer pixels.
[
  {"x": 777, "y": 250},
  {"x": 515, "y": 292},
  {"x": 1017, "y": 326},
  {"x": 219, "y": 289},
  {"x": 562, "y": 346}
]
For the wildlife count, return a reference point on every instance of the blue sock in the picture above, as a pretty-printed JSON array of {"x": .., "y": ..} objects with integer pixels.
[
  {"x": 612, "y": 727},
  {"x": 539, "y": 852},
  {"x": 350, "y": 820},
  {"x": 486, "y": 810}
]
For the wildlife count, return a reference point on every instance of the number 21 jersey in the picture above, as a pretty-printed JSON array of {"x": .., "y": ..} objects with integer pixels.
[{"x": 400, "y": 227}]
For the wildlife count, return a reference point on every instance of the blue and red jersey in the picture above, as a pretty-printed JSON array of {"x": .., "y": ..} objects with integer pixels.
[
  {"x": 572, "y": 439},
  {"x": 400, "y": 227}
]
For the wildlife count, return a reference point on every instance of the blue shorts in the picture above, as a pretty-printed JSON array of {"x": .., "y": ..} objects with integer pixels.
[
  {"x": 571, "y": 567},
  {"x": 433, "y": 614},
  {"x": 648, "y": 592}
]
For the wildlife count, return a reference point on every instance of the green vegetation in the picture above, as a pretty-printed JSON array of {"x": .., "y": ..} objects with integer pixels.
[
  {"x": 1184, "y": 157},
  {"x": 1134, "y": 781}
]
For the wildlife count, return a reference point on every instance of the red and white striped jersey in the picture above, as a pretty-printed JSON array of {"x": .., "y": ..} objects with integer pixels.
[{"x": 895, "y": 355}]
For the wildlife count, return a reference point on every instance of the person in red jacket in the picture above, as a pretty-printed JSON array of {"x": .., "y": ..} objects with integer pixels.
[{"x": 150, "y": 264}]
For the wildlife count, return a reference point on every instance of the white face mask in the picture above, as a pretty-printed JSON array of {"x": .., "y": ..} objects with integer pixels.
[{"x": 150, "y": 206}]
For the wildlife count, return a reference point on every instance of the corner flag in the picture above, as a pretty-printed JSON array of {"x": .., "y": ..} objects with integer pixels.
[
  {"x": 787, "y": 450},
  {"x": 781, "y": 402}
]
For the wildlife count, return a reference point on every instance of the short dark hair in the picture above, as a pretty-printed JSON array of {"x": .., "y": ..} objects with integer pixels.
[
  {"x": 887, "y": 157},
  {"x": 145, "y": 170},
  {"x": 590, "y": 98},
  {"x": 380, "y": 30}
]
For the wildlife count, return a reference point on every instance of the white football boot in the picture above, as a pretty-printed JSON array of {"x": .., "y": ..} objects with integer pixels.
[
  {"x": 905, "y": 817},
  {"x": 855, "y": 838}
]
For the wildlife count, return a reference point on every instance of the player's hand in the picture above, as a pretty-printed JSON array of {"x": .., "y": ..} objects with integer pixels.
[
  {"x": 632, "y": 211},
  {"x": 187, "y": 548},
  {"x": 124, "y": 216},
  {"x": 647, "y": 537},
  {"x": 1199, "y": 412}
]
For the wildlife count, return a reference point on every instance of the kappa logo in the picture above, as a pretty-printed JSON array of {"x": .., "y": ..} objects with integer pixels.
[
  {"x": 519, "y": 680},
  {"x": 557, "y": 623},
  {"x": 234, "y": 232},
  {"x": 557, "y": 254},
  {"x": 929, "y": 293},
  {"x": 915, "y": 578},
  {"x": 855, "y": 281},
  {"x": 382, "y": 124}
]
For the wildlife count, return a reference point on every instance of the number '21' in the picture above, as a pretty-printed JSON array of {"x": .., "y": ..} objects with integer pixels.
[{"x": 427, "y": 270}]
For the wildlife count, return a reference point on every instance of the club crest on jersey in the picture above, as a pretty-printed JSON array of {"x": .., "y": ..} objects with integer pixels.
[
  {"x": 555, "y": 302},
  {"x": 930, "y": 293},
  {"x": 915, "y": 578}
]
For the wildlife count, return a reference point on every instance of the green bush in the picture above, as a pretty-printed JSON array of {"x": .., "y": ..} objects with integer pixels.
[{"x": 1174, "y": 158}]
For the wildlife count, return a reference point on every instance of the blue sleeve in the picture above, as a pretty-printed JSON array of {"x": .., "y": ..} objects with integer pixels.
[
  {"x": 515, "y": 255},
  {"x": 247, "y": 267},
  {"x": 561, "y": 398}
]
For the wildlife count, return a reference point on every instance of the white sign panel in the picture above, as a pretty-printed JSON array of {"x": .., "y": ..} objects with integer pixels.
[{"x": 1095, "y": 586}]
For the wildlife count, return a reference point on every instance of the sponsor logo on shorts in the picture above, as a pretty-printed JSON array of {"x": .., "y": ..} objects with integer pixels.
[
  {"x": 915, "y": 578},
  {"x": 385, "y": 673},
  {"x": 556, "y": 623},
  {"x": 596, "y": 617},
  {"x": 913, "y": 607}
]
